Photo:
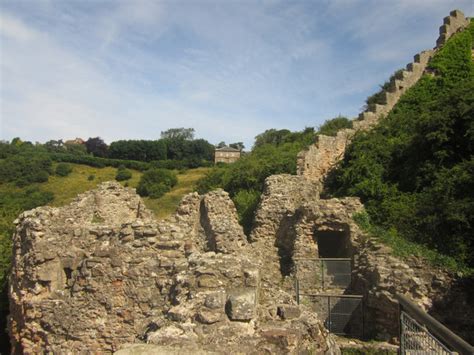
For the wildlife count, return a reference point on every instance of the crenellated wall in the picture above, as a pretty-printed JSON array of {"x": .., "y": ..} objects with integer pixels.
[{"x": 314, "y": 162}]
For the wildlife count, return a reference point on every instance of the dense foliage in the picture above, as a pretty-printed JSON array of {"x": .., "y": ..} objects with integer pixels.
[
  {"x": 379, "y": 97},
  {"x": 274, "y": 152},
  {"x": 176, "y": 149},
  {"x": 99, "y": 162},
  {"x": 123, "y": 174},
  {"x": 97, "y": 147},
  {"x": 331, "y": 127},
  {"x": 140, "y": 150},
  {"x": 154, "y": 183},
  {"x": 23, "y": 164},
  {"x": 63, "y": 169},
  {"x": 415, "y": 171}
]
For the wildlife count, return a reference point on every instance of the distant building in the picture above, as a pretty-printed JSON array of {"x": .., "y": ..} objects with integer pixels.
[
  {"x": 226, "y": 155},
  {"x": 75, "y": 141}
]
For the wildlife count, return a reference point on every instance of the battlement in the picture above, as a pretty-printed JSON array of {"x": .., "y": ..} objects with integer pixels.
[{"x": 318, "y": 159}]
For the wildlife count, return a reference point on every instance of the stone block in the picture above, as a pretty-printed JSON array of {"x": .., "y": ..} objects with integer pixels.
[
  {"x": 251, "y": 277},
  {"x": 208, "y": 281},
  {"x": 215, "y": 300},
  {"x": 240, "y": 304},
  {"x": 288, "y": 311},
  {"x": 179, "y": 313},
  {"x": 206, "y": 316}
]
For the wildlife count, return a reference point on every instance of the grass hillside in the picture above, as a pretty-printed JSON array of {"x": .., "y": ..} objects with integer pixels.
[
  {"x": 167, "y": 204},
  {"x": 65, "y": 189}
]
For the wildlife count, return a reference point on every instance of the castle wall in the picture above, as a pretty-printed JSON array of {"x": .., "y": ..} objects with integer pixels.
[{"x": 314, "y": 162}]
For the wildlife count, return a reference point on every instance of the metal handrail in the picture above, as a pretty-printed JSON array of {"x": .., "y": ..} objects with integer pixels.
[
  {"x": 439, "y": 330},
  {"x": 341, "y": 295},
  {"x": 324, "y": 259}
]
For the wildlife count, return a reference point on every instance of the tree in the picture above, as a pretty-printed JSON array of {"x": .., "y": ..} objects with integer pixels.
[
  {"x": 63, "y": 169},
  {"x": 272, "y": 136},
  {"x": 221, "y": 145},
  {"x": 237, "y": 145},
  {"x": 156, "y": 182},
  {"x": 54, "y": 145},
  {"x": 97, "y": 147},
  {"x": 178, "y": 133},
  {"x": 332, "y": 126}
]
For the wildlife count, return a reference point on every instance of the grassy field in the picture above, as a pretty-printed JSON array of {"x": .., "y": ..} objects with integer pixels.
[
  {"x": 65, "y": 189},
  {"x": 166, "y": 205}
]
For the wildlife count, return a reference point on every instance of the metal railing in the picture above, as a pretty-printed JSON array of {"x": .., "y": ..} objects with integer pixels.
[
  {"x": 341, "y": 314},
  {"x": 314, "y": 278},
  {"x": 422, "y": 334},
  {"x": 323, "y": 273}
]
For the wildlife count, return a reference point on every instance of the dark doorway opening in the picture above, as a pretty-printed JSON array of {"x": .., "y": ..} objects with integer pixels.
[{"x": 333, "y": 244}]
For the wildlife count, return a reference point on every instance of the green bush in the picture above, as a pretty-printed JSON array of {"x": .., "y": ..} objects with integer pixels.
[
  {"x": 99, "y": 162},
  {"x": 274, "y": 152},
  {"x": 331, "y": 127},
  {"x": 63, "y": 169},
  {"x": 379, "y": 97},
  {"x": 25, "y": 168},
  {"x": 91, "y": 177},
  {"x": 156, "y": 182},
  {"x": 246, "y": 203},
  {"x": 123, "y": 174}
]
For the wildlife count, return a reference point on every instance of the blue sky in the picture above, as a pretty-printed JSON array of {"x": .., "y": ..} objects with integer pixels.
[{"x": 230, "y": 69}]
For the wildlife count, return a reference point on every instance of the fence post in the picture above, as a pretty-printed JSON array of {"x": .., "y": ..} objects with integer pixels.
[
  {"x": 322, "y": 273},
  {"x": 297, "y": 291},
  {"x": 329, "y": 313}
]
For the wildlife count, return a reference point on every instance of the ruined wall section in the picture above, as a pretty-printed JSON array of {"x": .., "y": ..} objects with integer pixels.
[
  {"x": 314, "y": 162},
  {"x": 220, "y": 222},
  {"x": 378, "y": 275},
  {"x": 101, "y": 273},
  {"x": 282, "y": 195}
]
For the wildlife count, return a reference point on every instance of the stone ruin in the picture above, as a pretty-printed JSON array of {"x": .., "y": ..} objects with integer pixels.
[{"x": 102, "y": 275}]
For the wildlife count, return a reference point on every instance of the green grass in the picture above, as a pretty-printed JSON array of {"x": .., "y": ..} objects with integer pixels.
[
  {"x": 404, "y": 248},
  {"x": 66, "y": 188},
  {"x": 167, "y": 204}
]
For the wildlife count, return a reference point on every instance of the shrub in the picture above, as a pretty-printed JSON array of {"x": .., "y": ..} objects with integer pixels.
[
  {"x": 123, "y": 174},
  {"x": 246, "y": 203},
  {"x": 91, "y": 177},
  {"x": 63, "y": 169},
  {"x": 156, "y": 182},
  {"x": 331, "y": 127}
]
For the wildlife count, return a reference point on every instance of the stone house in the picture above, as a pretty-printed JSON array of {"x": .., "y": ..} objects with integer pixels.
[{"x": 226, "y": 155}]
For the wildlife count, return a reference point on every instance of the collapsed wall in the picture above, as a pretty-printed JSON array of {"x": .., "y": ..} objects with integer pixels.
[
  {"x": 101, "y": 273},
  {"x": 315, "y": 162}
]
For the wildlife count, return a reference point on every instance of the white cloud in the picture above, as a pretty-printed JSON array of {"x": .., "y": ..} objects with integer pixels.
[
  {"x": 130, "y": 69},
  {"x": 14, "y": 29}
]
